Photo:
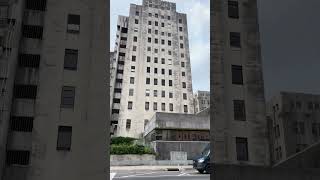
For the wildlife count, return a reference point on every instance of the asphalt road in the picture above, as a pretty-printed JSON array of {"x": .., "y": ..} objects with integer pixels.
[{"x": 160, "y": 175}]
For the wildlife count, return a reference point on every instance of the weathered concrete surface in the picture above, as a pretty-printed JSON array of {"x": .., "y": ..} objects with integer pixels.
[
  {"x": 150, "y": 163},
  {"x": 224, "y": 128},
  {"x": 132, "y": 157}
]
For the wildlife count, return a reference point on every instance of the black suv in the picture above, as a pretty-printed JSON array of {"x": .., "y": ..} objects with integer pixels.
[{"x": 202, "y": 162}]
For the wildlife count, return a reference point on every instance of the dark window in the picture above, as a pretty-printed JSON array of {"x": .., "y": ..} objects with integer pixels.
[
  {"x": 239, "y": 110},
  {"x": 181, "y": 45},
  {"x": 184, "y": 96},
  {"x": 148, "y": 58},
  {"x": 156, "y": 15},
  {"x": 150, "y": 15},
  {"x": 183, "y": 73},
  {"x": 136, "y": 21},
  {"x": 155, "y": 93},
  {"x": 156, "y": 31},
  {"x": 235, "y": 39},
  {"x": 67, "y": 97},
  {"x": 162, "y": 71},
  {"x": 21, "y": 123},
  {"x": 146, "y": 106},
  {"x": 170, "y": 72},
  {"x": 124, "y": 30},
  {"x": 170, "y": 95},
  {"x": 155, "y": 60},
  {"x": 185, "y": 108},
  {"x": 123, "y": 38},
  {"x": 15, "y": 157},
  {"x": 123, "y": 46},
  {"x": 73, "y": 23},
  {"x": 163, "y": 61},
  {"x": 29, "y": 60},
  {"x": 155, "y": 106},
  {"x": 133, "y": 58},
  {"x": 162, "y": 24},
  {"x": 155, "y": 50},
  {"x": 163, "y": 106},
  {"x": 148, "y": 69},
  {"x": 149, "y": 31},
  {"x": 169, "y": 34},
  {"x": 149, "y": 39},
  {"x": 180, "y": 28},
  {"x": 25, "y": 91},
  {"x": 182, "y": 55},
  {"x": 170, "y": 82},
  {"x": 233, "y": 9},
  {"x": 171, "y": 107},
  {"x": 130, "y": 103},
  {"x": 242, "y": 149},
  {"x": 156, "y": 70},
  {"x": 134, "y": 48},
  {"x": 156, "y": 41},
  {"x": 162, "y": 41},
  {"x": 39, "y": 5},
  {"x": 130, "y": 93},
  {"x": 137, "y": 13},
  {"x": 163, "y": 82},
  {"x": 182, "y": 64},
  {"x": 147, "y": 80},
  {"x": 64, "y": 138},
  {"x": 180, "y": 20},
  {"x": 156, "y": 23},
  {"x": 34, "y": 32},
  {"x": 135, "y": 39},
  {"x": 181, "y": 37},
  {"x": 237, "y": 77},
  {"x": 169, "y": 17},
  {"x": 149, "y": 48},
  {"x": 169, "y": 43},
  {"x": 184, "y": 85},
  {"x": 131, "y": 80},
  {"x": 115, "y": 111},
  {"x": 70, "y": 59},
  {"x": 149, "y": 22},
  {"x": 163, "y": 94},
  {"x": 128, "y": 124},
  {"x": 155, "y": 81}
]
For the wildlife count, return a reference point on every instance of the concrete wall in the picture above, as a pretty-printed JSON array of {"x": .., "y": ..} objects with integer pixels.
[
  {"x": 234, "y": 172},
  {"x": 163, "y": 148}
]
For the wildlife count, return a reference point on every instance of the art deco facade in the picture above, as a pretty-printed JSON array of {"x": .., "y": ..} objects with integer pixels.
[
  {"x": 53, "y": 74},
  {"x": 153, "y": 66}
]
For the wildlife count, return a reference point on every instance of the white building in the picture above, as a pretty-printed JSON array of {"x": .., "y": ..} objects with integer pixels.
[
  {"x": 201, "y": 101},
  {"x": 152, "y": 49}
]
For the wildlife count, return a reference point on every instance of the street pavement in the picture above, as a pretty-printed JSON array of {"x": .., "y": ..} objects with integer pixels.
[{"x": 185, "y": 174}]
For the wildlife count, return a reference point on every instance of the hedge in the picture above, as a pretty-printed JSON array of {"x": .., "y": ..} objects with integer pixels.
[
  {"x": 130, "y": 149},
  {"x": 122, "y": 140}
]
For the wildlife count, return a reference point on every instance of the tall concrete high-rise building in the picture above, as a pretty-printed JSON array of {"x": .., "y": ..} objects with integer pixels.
[
  {"x": 152, "y": 52},
  {"x": 239, "y": 125},
  {"x": 201, "y": 101},
  {"x": 53, "y": 89},
  {"x": 294, "y": 123}
]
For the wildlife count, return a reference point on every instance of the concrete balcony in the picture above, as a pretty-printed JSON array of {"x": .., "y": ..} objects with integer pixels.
[
  {"x": 23, "y": 107},
  {"x": 33, "y": 17},
  {"x": 20, "y": 140},
  {"x": 27, "y": 76}
]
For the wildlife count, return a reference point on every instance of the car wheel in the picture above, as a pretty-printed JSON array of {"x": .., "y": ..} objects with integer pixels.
[{"x": 200, "y": 171}]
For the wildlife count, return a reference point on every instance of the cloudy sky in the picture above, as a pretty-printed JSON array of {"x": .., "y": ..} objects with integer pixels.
[{"x": 198, "y": 14}]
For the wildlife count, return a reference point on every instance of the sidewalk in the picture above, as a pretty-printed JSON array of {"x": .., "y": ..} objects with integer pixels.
[{"x": 153, "y": 168}]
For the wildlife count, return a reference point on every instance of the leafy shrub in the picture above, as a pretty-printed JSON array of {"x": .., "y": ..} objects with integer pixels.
[
  {"x": 121, "y": 149},
  {"x": 122, "y": 140}
]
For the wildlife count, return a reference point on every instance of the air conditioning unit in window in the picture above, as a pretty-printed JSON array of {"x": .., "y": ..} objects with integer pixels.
[{"x": 73, "y": 28}]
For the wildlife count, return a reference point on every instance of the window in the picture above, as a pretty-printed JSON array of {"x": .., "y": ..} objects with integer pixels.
[
  {"x": 149, "y": 48},
  {"x": 150, "y": 14},
  {"x": 148, "y": 69},
  {"x": 156, "y": 70},
  {"x": 146, "y": 106},
  {"x": 242, "y": 149},
  {"x": 314, "y": 129},
  {"x": 237, "y": 77},
  {"x": 124, "y": 30},
  {"x": 181, "y": 37},
  {"x": 163, "y": 71},
  {"x": 181, "y": 45},
  {"x": 134, "y": 48},
  {"x": 15, "y": 157},
  {"x": 163, "y": 61},
  {"x": 149, "y": 22},
  {"x": 155, "y": 81},
  {"x": 163, "y": 82},
  {"x": 162, "y": 33},
  {"x": 73, "y": 23},
  {"x": 162, "y": 50},
  {"x": 185, "y": 108},
  {"x": 180, "y": 21},
  {"x": 136, "y": 21},
  {"x": 180, "y": 29},
  {"x": 67, "y": 97},
  {"x": 130, "y": 92},
  {"x": 155, "y": 93},
  {"x": 169, "y": 17},
  {"x": 169, "y": 61},
  {"x": 170, "y": 82},
  {"x": 137, "y": 13},
  {"x": 183, "y": 73},
  {"x": 29, "y": 60},
  {"x": 21, "y": 123},
  {"x": 170, "y": 95},
  {"x": 156, "y": 32},
  {"x": 64, "y": 138},
  {"x": 131, "y": 80},
  {"x": 156, "y": 15},
  {"x": 25, "y": 91},
  {"x": 169, "y": 34},
  {"x": 128, "y": 124},
  {"x": 182, "y": 55},
  {"x": 163, "y": 93},
  {"x": 155, "y": 106},
  {"x": 156, "y": 23},
  {"x": 182, "y": 64},
  {"x": 185, "y": 96},
  {"x": 155, "y": 50},
  {"x": 130, "y": 103},
  {"x": 147, "y": 80},
  {"x": 169, "y": 52},
  {"x": 169, "y": 43},
  {"x": 239, "y": 110},
  {"x": 235, "y": 39},
  {"x": 162, "y": 24},
  {"x": 34, "y": 32},
  {"x": 147, "y": 92},
  {"x": 133, "y": 68},
  {"x": 170, "y": 106},
  {"x": 155, "y": 60},
  {"x": 163, "y": 106},
  {"x": 149, "y": 39},
  {"x": 133, "y": 58},
  {"x": 149, "y": 31},
  {"x": 38, "y": 5},
  {"x": 233, "y": 9},
  {"x": 135, "y": 39},
  {"x": 156, "y": 41},
  {"x": 170, "y": 72},
  {"x": 148, "y": 58},
  {"x": 184, "y": 85},
  {"x": 162, "y": 41}
]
